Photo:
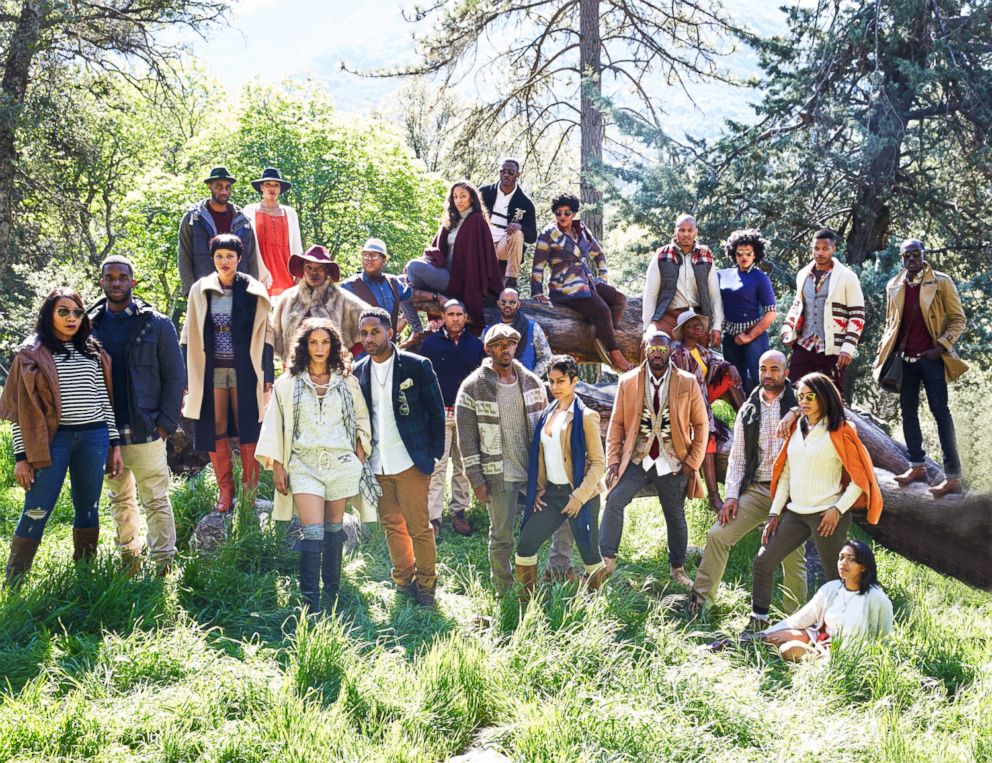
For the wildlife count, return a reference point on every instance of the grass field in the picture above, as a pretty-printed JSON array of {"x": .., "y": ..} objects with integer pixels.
[{"x": 211, "y": 663}]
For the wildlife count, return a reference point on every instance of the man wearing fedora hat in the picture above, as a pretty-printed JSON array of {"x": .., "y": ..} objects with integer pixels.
[
  {"x": 317, "y": 295},
  {"x": 277, "y": 230},
  {"x": 380, "y": 289},
  {"x": 206, "y": 219},
  {"x": 716, "y": 378}
]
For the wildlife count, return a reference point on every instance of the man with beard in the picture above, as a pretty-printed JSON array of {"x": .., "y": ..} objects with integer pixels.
[
  {"x": 315, "y": 296},
  {"x": 657, "y": 433},
  {"x": 749, "y": 471},
  {"x": 512, "y": 219},
  {"x": 533, "y": 350},
  {"x": 923, "y": 320},
  {"x": 149, "y": 376},
  {"x": 206, "y": 219}
]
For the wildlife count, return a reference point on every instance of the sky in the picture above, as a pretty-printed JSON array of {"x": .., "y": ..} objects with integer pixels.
[{"x": 275, "y": 40}]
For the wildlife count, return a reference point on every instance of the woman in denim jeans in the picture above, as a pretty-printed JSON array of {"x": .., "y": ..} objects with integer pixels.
[{"x": 58, "y": 398}]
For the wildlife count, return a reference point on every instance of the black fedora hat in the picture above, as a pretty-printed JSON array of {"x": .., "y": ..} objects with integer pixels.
[
  {"x": 220, "y": 173},
  {"x": 271, "y": 173}
]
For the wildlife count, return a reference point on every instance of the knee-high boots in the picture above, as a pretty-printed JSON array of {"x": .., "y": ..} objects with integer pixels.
[
  {"x": 220, "y": 457},
  {"x": 22, "y": 552},
  {"x": 331, "y": 564},
  {"x": 310, "y": 573}
]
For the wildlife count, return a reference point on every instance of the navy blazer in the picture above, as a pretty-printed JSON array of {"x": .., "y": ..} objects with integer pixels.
[{"x": 422, "y": 427}]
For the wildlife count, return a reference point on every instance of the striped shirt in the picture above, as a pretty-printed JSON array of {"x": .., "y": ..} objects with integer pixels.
[
  {"x": 811, "y": 479},
  {"x": 85, "y": 400}
]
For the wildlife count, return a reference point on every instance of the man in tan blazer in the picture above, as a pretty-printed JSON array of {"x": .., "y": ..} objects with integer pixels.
[
  {"x": 657, "y": 433},
  {"x": 923, "y": 320}
]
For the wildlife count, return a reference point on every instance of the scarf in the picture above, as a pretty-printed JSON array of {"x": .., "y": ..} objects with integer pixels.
[
  {"x": 521, "y": 325},
  {"x": 577, "y": 443}
]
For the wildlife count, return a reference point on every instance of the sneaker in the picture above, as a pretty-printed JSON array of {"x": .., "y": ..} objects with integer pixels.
[{"x": 460, "y": 524}]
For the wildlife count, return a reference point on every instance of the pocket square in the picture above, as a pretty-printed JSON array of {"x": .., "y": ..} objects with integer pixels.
[{"x": 406, "y": 384}]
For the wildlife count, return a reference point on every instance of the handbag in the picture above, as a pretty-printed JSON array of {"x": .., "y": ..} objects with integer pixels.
[{"x": 890, "y": 379}]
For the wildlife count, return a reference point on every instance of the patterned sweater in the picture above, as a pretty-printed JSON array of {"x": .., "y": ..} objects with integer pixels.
[
  {"x": 844, "y": 318},
  {"x": 477, "y": 421}
]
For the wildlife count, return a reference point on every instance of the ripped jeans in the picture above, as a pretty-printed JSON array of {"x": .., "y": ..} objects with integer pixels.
[{"x": 83, "y": 454}]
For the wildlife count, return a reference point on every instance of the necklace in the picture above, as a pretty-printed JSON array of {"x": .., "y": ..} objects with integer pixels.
[{"x": 375, "y": 374}]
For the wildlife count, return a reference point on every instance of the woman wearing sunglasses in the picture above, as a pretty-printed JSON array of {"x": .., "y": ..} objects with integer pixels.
[
  {"x": 822, "y": 472},
  {"x": 578, "y": 276},
  {"x": 227, "y": 339},
  {"x": 58, "y": 397}
]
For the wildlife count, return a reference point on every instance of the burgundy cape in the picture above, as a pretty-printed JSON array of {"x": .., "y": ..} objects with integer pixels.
[{"x": 474, "y": 267}]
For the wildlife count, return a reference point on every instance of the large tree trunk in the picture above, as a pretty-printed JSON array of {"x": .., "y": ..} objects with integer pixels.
[
  {"x": 13, "y": 89},
  {"x": 591, "y": 121}
]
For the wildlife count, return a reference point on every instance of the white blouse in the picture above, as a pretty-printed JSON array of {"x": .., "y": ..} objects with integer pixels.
[{"x": 554, "y": 458}]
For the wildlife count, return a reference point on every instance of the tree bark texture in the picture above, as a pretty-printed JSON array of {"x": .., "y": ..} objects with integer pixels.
[{"x": 591, "y": 122}]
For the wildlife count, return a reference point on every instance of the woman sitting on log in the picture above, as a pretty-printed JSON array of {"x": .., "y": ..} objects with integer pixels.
[
  {"x": 565, "y": 474},
  {"x": 578, "y": 276},
  {"x": 821, "y": 473},
  {"x": 716, "y": 378},
  {"x": 461, "y": 262},
  {"x": 58, "y": 397},
  {"x": 315, "y": 438},
  {"x": 227, "y": 339}
]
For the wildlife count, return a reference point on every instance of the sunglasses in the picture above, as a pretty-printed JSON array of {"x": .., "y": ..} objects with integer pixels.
[
  {"x": 507, "y": 302},
  {"x": 65, "y": 312},
  {"x": 657, "y": 351},
  {"x": 564, "y": 213},
  {"x": 807, "y": 396}
]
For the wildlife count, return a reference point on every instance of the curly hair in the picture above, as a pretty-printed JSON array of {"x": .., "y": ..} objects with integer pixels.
[
  {"x": 451, "y": 212},
  {"x": 564, "y": 364},
  {"x": 565, "y": 199},
  {"x": 339, "y": 359},
  {"x": 746, "y": 237},
  {"x": 44, "y": 326}
]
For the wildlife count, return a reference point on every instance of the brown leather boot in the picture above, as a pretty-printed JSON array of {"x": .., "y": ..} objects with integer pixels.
[
  {"x": 616, "y": 314},
  {"x": 459, "y": 523},
  {"x": 249, "y": 468},
  {"x": 596, "y": 580},
  {"x": 911, "y": 475},
  {"x": 84, "y": 543},
  {"x": 947, "y": 487},
  {"x": 130, "y": 563},
  {"x": 526, "y": 575},
  {"x": 618, "y": 361},
  {"x": 223, "y": 470},
  {"x": 709, "y": 474},
  {"x": 22, "y": 551}
]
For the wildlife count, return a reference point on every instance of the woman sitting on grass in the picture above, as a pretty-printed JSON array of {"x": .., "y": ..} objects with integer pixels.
[
  {"x": 852, "y": 608},
  {"x": 58, "y": 397},
  {"x": 565, "y": 473},
  {"x": 315, "y": 437}
]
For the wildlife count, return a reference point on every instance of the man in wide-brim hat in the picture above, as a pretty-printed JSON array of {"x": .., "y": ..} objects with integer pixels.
[
  {"x": 208, "y": 218},
  {"x": 317, "y": 295},
  {"x": 277, "y": 228}
]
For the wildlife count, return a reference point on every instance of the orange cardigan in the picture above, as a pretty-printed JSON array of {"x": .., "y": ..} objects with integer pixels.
[{"x": 857, "y": 466}]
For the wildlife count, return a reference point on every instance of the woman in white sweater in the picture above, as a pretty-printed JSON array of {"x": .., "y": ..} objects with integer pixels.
[{"x": 852, "y": 608}]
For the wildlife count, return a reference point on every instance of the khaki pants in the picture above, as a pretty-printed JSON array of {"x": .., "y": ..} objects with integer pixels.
[
  {"x": 461, "y": 488},
  {"x": 753, "y": 507},
  {"x": 511, "y": 251},
  {"x": 145, "y": 475},
  {"x": 405, "y": 521}
]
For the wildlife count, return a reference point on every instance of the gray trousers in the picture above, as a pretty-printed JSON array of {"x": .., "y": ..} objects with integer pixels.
[
  {"x": 793, "y": 530},
  {"x": 752, "y": 510},
  {"x": 671, "y": 492},
  {"x": 503, "y": 509}
]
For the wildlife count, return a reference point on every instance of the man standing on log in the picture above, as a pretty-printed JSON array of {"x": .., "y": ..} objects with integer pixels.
[
  {"x": 923, "y": 320},
  {"x": 496, "y": 411},
  {"x": 755, "y": 446},
  {"x": 512, "y": 219},
  {"x": 824, "y": 324},
  {"x": 681, "y": 277},
  {"x": 209, "y": 218},
  {"x": 533, "y": 350},
  {"x": 454, "y": 353},
  {"x": 149, "y": 376},
  {"x": 658, "y": 432}
]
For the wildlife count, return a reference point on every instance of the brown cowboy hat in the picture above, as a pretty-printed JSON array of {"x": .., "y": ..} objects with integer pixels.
[
  {"x": 683, "y": 319},
  {"x": 316, "y": 254}
]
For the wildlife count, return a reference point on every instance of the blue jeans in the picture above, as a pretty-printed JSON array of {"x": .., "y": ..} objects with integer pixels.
[
  {"x": 83, "y": 454},
  {"x": 745, "y": 357},
  {"x": 422, "y": 275},
  {"x": 930, "y": 375}
]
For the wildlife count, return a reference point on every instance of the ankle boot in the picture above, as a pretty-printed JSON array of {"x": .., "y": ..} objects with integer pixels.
[
  {"x": 947, "y": 487},
  {"x": 597, "y": 578},
  {"x": 331, "y": 565},
  {"x": 22, "y": 551},
  {"x": 223, "y": 471},
  {"x": 709, "y": 474},
  {"x": 84, "y": 543},
  {"x": 310, "y": 574},
  {"x": 526, "y": 576},
  {"x": 618, "y": 361},
  {"x": 249, "y": 469},
  {"x": 911, "y": 475}
]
